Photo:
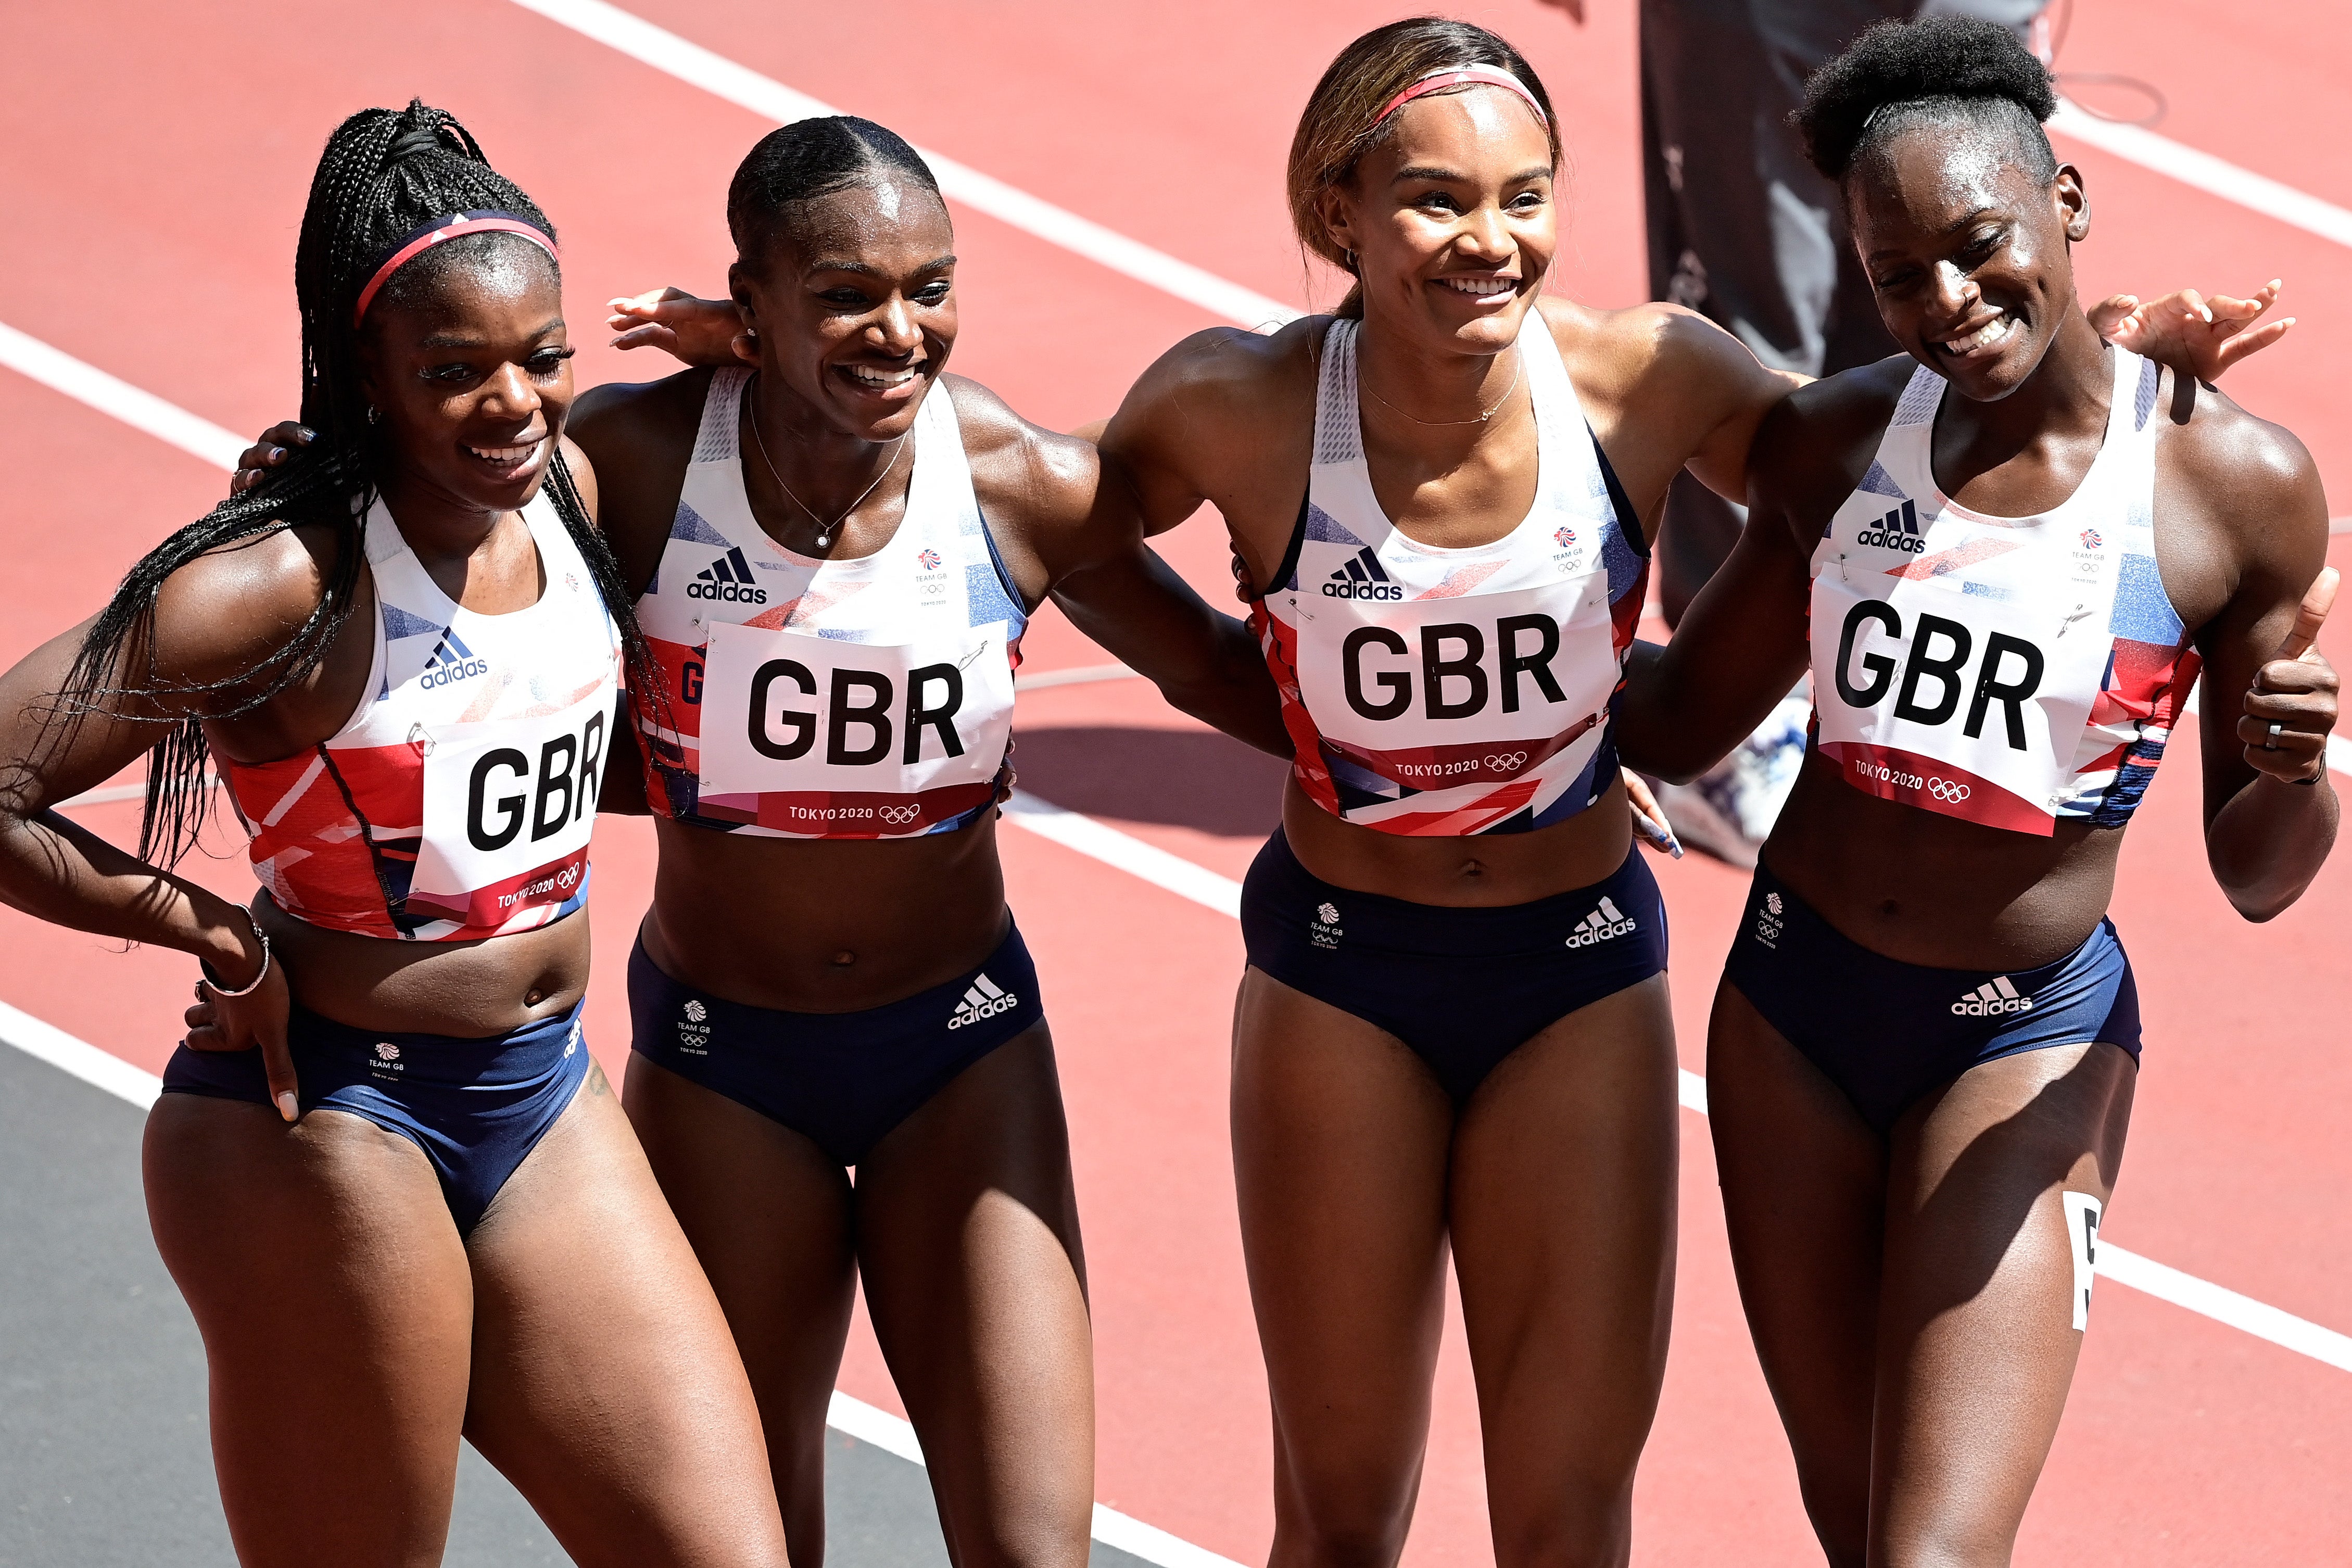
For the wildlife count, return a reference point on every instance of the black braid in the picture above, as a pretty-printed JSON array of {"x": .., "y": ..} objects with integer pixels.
[{"x": 385, "y": 173}]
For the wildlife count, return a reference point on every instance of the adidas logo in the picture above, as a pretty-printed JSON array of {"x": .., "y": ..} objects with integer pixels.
[
  {"x": 1361, "y": 578},
  {"x": 451, "y": 661},
  {"x": 728, "y": 578},
  {"x": 1994, "y": 997},
  {"x": 1600, "y": 925},
  {"x": 1898, "y": 530},
  {"x": 981, "y": 999}
]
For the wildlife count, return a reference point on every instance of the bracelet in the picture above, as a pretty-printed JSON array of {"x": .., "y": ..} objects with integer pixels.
[
  {"x": 260, "y": 936},
  {"x": 2310, "y": 783}
]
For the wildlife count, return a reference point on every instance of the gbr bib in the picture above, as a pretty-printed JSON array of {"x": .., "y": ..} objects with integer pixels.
[
  {"x": 811, "y": 699},
  {"x": 1444, "y": 692},
  {"x": 2008, "y": 671},
  {"x": 456, "y": 801}
]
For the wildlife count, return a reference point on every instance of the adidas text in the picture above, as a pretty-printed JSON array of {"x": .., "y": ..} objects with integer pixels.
[
  {"x": 1603, "y": 924},
  {"x": 1898, "y": 530},
  {"x": 983, "y": 999},
  {"x": 1994, "y": 997},
  {"x": 1361, "y": 578}
]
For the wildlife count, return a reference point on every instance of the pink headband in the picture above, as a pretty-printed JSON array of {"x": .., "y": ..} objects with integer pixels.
[
  {"x": 452, "y": 226},
  {"x": 1447, "y": 78}
]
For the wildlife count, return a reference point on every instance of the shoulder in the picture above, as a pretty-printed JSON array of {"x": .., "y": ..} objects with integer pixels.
[
  {"x": 640, "y": 418},
  {"x": 2239, "y": 504},
  {"x": 1652, "y": 352},
  {"x": 1229, "y": 376},
  {"x": 1817, "y": 431},
  {"x": 223, "y": 615},
  {"x": 1035, "y": 487}
]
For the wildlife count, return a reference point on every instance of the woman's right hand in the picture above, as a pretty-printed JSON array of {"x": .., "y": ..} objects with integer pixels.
[
  {"x": 254, "y": 1021},
  {"x": 276, "y": 443},
  {"x": 700, "y": 331}
]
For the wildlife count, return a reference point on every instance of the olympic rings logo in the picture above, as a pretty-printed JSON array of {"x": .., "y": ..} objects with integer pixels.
[
  {"x": 899, "y": 816},
  {"x": 569, "y": 875},
  {"x": 1505, "y": 764},
  {"x": 1947, "y": 791}
]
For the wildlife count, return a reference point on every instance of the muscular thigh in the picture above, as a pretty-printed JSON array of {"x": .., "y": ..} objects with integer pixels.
[
  {"x": 605, "y": 1383},
  {"x": 1976, "y": 1336},
  {"x": 1804, "y": 1196},
  {"x": 968, "y": 1237},
  {"x": 331, "y": 1290},
  {"x": 1562, "y": 1214},
  {"x": 1340, "y": 1143}
]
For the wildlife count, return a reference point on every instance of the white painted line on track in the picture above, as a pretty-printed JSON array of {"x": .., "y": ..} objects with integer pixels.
[
  {"x": 60, "y": 371},
  {"x": 1124, "y": 851},
  {"x": 1079, "y": 676},
  {"x": 85, "y": 1062},
  {"x": 1112, "y": 1527},
  {"x": 716, "y": 74},
  {"x": 2216, "y": 176},
  {"x": 1202, "y": 886}
]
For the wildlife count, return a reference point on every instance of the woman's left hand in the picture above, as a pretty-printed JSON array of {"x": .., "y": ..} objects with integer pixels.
[
  {"x": 700, "y": 332},
  {"x": 2189, "y": 333},
  {"x": 2291, "y": 707},
  {"x": 1648, "y": 817}
]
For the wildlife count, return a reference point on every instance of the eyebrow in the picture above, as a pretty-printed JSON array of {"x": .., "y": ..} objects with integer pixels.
[
  {"x": 1415, "y": 172},
  {"x": 865, "y": 269},
  {"x": 453, "y": 341},
  {"x": 1947, "y": 229}
]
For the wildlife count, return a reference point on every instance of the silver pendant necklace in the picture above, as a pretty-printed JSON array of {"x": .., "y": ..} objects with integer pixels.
[
  {"x": 1517, "y": 366},
  {"x": 824, "y": 529}
]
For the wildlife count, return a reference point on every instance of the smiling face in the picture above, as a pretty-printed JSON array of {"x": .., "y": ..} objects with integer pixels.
[
  {"x": 1967, "y": 253},
  {"x": 472, "y": 375},
  {"x": 1452, "y": 219},
  {"x": 854, "y": 305}
]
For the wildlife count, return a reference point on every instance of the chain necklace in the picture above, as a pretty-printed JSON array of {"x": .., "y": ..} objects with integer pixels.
[
  {"x": 1517, "y": 366},
  {"x": 824, "y": 529}
]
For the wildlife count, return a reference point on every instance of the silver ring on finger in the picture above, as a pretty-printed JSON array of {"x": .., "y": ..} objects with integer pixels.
[{"x": 2270, "y": 742}]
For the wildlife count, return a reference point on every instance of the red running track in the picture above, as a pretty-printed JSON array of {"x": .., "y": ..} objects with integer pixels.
[{"x": 159, "y": 157}]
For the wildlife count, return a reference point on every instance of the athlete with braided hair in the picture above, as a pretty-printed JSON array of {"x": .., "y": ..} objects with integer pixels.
[
  {"x": 2015, "y": 552},
  {"x": 396, "y": 1191}
]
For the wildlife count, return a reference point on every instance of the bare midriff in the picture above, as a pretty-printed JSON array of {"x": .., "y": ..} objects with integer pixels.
[{"x": 1485, "y": 870}]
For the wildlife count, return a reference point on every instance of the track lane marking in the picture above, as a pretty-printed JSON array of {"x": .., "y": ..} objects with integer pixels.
[
  {"x": 740, "y": 85},
  {"x": 1211, "y": 890},
  {"x": 54, "y": 368},
  {"x": 2204, "y": 172}
]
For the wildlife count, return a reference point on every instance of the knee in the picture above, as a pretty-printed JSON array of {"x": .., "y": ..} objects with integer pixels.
[
  {"x": 1580, "y": 1528},
  {"x": 1358, "y": 1522},
  {"x": 1954, "y": 1542}
]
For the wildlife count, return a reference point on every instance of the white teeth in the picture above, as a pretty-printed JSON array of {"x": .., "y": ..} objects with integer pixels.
[
  {"x": 504, "y": 454},
  {"x": 1991, "y": 333},
  {"x": 867, "y": 376},
  {"x": 1481, "y": 287}
]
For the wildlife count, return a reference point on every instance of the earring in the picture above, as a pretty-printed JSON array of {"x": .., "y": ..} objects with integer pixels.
[{"x": 372, "y": 417}]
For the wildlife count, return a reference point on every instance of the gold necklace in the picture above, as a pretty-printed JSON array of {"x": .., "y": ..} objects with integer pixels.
[
  {"x": 824, "y": 529},
  {"x": 1517, "y": 366}
]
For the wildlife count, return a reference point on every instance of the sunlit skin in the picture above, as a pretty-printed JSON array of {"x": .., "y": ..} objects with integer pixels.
[
  {"x": 1909, "y": 1295},
  {"x": 351, "y": 1336}
]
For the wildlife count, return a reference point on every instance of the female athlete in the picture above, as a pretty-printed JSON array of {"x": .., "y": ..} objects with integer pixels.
[
  {"x": 838, "y": 547},
  {"x": 1453, "y": 1035},
  {"x": 2020, "y": 550},
  {"x": 396, "y": 1191}
]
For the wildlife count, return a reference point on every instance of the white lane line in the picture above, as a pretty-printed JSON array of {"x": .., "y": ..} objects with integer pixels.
[
  {"x": 1112, "y": 1527},
  {"x": 85, "y": 1062},
  {"x": 61, "y": 372},
  {"x": 1079, "y": 676},
  {"x": 716, "y": 74},
  {"x": 2218, "y": 177},
  {"x": 1202, "y": 885},
  {"x": 1128, "y": 853}
]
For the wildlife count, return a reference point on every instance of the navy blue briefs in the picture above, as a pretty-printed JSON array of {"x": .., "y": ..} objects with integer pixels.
[
  {"x": 1463, "y": 987},
  {"x": 475, "y": 1108},
  {"x": 1887, "y": 1033},
  {"x": 842, "y": 1080}
]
